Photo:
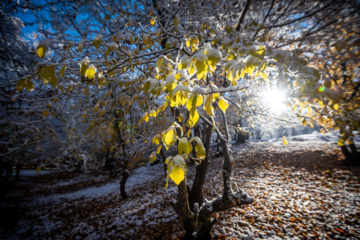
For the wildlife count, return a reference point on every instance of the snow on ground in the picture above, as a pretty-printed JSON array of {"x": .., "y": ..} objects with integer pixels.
[
  {"x": 32, "y": 172},
  {"x": 315, "y": 136},
  {"x": 301, "y": 192},
  {"x": 137, "y": 177}
]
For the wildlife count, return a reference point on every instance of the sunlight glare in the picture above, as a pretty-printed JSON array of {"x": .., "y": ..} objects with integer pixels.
[{"x": 274, "y": 100}]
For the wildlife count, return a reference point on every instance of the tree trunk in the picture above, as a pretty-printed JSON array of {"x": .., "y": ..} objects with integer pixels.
[
  {"x": 240, "y": 137},
  {"x": 18, "y": 168},
  {"x": 196, "y": 195},
  {"x": 124, "y": 177},
  {"x": 183, "y": 209},
  {"x": 355, "y": 153},
  {"x": 352, "y": 157},
  {"x": 124, "y": 162}
]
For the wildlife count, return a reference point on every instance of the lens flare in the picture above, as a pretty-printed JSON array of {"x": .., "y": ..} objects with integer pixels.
[
  {"x": 274, "y": 99},
  {"x": 321, "y": 89}
]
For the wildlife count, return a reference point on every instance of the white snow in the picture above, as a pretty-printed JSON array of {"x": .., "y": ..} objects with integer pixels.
[{"x": 137, "y": 177}]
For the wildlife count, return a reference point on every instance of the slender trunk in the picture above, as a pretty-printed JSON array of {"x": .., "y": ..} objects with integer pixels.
[
  {"x": 355, "y": 154},
  {"x": 164, "y": 157},
  {"x": 125, "y": 161},
  {"x": 183, "y": 209},
  {"x": 226, "y": 169},
  {"x": 18, "y": 168},
  {"x": 347, "y": 154},
  {"x": 124, "y": 177},
  {"x": 196, "y": 195}
]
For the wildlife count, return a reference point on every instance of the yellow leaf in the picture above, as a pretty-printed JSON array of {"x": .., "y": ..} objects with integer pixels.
[
  {"x": 159, "y": 64},
  {"x": 40, "y": 51},
  {"x": 146, "y": 117},
  {"x": 342, "y": 140},
  {"x": 177, "y": 19},
  {"x": 208, "y": 105},
  {"x": 181, "y": 117},
  {"x": 158, "y": 149},
  {"x": 38, "y": 169},
  {"x": 184, "y": 146},
  {"x": 120, "y": 124},
  {"x": 152, "y": 113},
  {"x": 199, "y": 148},
  {"x": 62, "y": 71},
  {"x": 90, "y": 72},
  {"x": 98, "y": 40},
  {"x": 285, "y": 141},
  {"x": 223, "y": 104},
  {"x": 194, "y": 101},
  {"x": 127, "y": 141},
  {"x": 45, "y": 113},
  {"x": 156, "y": 139},
  {"x": 152, "y": 21},
  {"x": 214, "y": 57},
  {"x": 178, "y": 169},
  {"x": 201, "y": 65},
  {"x": 194, "y": 117},
  {"x": 169, "y": 138},
  {"x": 263, "y": 75},
  {"x": 153, "y": 157},
  {"x": 146, "y": 87}
]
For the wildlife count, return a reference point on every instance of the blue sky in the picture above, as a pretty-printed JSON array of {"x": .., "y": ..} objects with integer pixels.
[{"x": 27, "y": 18}]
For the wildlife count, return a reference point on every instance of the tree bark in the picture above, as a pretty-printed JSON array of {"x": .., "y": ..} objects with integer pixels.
[
  {"x": 183, "y": 209},
  {"x": 125, "y": 161},
  {"x": 124, "y": 177},
  {"x": 195, "y": 195},
  {"x": 352, "y": 157}
]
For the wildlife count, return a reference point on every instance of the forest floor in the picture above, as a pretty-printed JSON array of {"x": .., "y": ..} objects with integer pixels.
[{"x": 301, "y": 191}]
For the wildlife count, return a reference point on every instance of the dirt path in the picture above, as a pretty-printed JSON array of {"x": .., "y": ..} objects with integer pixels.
[{"x": 301, "y": 192}]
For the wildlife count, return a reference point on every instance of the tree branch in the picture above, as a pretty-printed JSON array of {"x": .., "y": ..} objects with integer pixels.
[{"x": 243, "y": 15}]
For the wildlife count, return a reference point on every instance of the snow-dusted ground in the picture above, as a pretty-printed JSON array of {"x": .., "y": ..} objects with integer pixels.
[
  {"x": 289, "y": 192},
  {"x": 315, "y": 136}
]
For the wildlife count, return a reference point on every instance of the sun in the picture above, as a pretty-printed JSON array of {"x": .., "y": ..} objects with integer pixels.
[{"x": 274, "y": 99}]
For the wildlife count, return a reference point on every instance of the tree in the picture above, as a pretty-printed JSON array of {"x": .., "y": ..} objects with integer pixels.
[{"x": 189, "y": 59}]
